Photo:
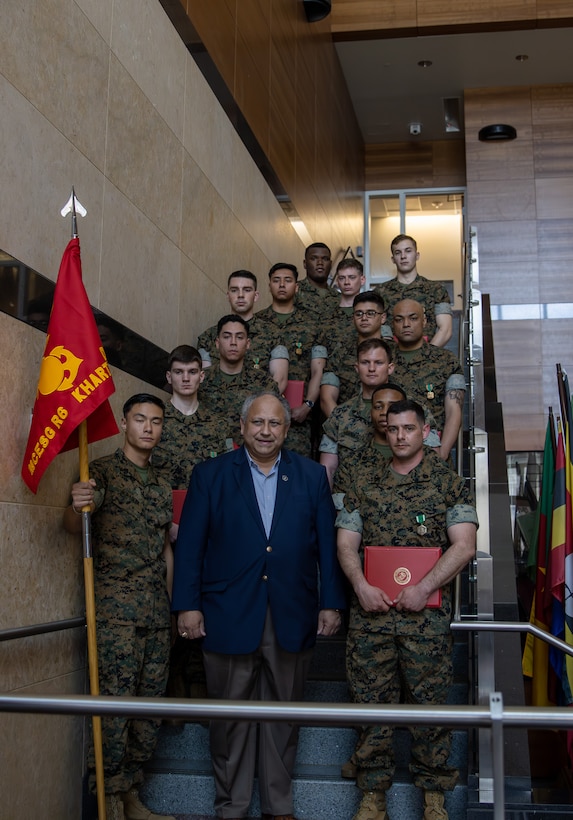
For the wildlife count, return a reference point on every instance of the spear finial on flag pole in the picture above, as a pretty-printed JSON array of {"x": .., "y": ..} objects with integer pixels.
[{"x": 74, "y": 206}]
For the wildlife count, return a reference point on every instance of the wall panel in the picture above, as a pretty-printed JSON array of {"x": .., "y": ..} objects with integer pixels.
[
  {"x": 370, "y": 18},
  {"x": 519, "y": 196},
  {"x": 287, "y": 83},
  {"x": 415, "y": 165}
]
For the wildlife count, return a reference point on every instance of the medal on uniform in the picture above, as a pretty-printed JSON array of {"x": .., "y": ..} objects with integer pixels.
[
  {"x": 430, "y": 389},
  {"x": 298, "y": 350},
  {"x": 422, "y": 529},
  {"x": 256, "y": 363}
]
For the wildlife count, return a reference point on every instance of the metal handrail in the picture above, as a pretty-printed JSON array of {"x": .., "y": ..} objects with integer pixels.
[
  {"x": 494, "y": 717},
  {"x": 512, "y": 626},
  {"x": 40, "y": 629},
  {"x": 309, "y": 714}
]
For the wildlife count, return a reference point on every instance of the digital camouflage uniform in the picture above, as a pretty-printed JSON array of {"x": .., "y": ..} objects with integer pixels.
[
  {"x": 206, "y": 344},
  {"x": 340, "y": 370},
  {"x": 132, "y": 607},
  {"x": 314, "y": 299},
  {"x": 432, "y": 295},
  {"x": 371, "y": 453},
  {"x": 347, "y": 431},
  {"x": 185, "y": 441},
  {"x": 427, "y": 374},
  {"x": 403, "y": 653},
  {"x": 223, "y": 395},
  {"x": 297, "y": 333}
]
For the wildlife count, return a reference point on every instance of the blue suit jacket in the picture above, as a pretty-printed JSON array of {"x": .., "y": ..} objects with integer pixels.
[{"x": 226, "y": 566}]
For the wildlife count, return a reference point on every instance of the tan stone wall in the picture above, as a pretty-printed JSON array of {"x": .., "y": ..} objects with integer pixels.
[{"x": 103, "y": 96}]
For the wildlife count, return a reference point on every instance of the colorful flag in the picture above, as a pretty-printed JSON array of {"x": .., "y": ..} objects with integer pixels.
[
  {"x": 555, "y": 586},
  {"x": 567, "y": 680},
  {"x": 535, "y": 663},
  {"x": 75, "y": 382}
]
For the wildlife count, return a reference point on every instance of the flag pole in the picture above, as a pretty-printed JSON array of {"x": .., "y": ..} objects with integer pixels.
[{"x": 89, "y": 591}]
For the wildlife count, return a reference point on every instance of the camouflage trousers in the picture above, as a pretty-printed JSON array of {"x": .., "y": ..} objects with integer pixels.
[
  {"x": 132, "y": 661},
  {"x": 386, "y": 668}
]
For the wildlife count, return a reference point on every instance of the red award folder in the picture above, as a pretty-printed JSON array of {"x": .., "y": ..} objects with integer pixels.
[
  {"x": 294, "y": 392},
  {"x": 178, "y": 500},
  {"x": 393, "y": 568}
]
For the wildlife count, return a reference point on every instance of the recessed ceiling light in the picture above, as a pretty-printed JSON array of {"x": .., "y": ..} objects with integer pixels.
[
  {"x": 425, "y": 63},
  {"x": 490, "y": 133},
  {"x": 521, "y": 58}
]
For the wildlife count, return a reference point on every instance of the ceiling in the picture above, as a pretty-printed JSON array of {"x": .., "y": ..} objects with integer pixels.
[{"x": 390, "y": 90}]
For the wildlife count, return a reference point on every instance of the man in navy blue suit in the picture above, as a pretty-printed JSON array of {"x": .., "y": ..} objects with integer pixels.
[{"x": 257, "y": 577}]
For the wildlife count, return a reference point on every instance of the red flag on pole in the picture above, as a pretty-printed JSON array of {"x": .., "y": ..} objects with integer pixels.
[{"x": 75, "y": 382}]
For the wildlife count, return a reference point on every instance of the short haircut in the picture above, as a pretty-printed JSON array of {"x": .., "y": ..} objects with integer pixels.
[
  {"x": 350, "y": 262},
  {"x": 409, "y": 299},
  {"x": 374, "y": 344},
  {"x": 184, "y": 354},
  {"x": 403, "y": 237},
  {"x": 369, "y": 296},
  {"x": 389, "y": 386},
  {"x": 114, "y": 327},
  {"x": 316, "y": 245},
  {"x": 247, "y": 404},
  {"x": 407, "y": 406},
  {"x": 231, "y": 317},
  {"x": 142, "y": 398},
  {"x": 284, "y": 266},
  {"x": 242, "y": 274}
]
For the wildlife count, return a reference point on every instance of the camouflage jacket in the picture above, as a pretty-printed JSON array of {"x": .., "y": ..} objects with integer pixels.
[
  {"x": 388, "y": 509},
  {"x": 433, "y": 295},
  {"x": 185, "y": 441},
  {"x": 298, "y": 333},
  {"x": 316, "y": 300},
  {"x": 224, "y": 395},
  {"x": 129, "y": 527},
  {"x": 427, "y": 374},
  {"x": 348, "y": 430}
]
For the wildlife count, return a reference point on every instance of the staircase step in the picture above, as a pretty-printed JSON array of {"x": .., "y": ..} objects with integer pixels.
[{"x": 339, "y": 800}]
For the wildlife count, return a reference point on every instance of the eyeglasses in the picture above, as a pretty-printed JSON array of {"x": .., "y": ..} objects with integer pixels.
[{"x": 370, "y": 313}]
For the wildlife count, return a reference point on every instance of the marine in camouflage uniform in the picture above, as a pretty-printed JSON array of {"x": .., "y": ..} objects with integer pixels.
[
  {"x": 427, "y": 374},
  {"x": 395, "y": 650},
  {"x": 209, "y": 353},
  {"x": 222, "y": 395},
  {"x": 295, "y": 333},
  {"x": 340, "y": 370},
  {"x": 340, "y": 379},
  {"x": 347, "y": 433},
  {"x": 432, "y": 295},
  {"x": 316, "y": 300},
  {"x": 185, "y": 441},
  {"x": 129, "y": 526}
]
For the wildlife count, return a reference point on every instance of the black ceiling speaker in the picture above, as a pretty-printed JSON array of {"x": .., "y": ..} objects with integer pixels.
[
  {"x": 491, "y": 133},
  {"x": 316, "y": 10}
]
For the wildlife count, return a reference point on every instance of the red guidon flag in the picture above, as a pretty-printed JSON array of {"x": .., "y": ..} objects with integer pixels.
[{"x": 75, "y": 381}]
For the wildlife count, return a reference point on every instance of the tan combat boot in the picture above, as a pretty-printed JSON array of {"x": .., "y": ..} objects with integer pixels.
[
  {"x": 434, "y": 806},
  {"x": 135, "y": 810},
  {"x": 114, "y": 807},
  {"x": 372, "y": 807}
]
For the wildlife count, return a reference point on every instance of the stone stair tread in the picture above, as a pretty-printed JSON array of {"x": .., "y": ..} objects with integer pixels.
[{"x": 180, "y": 795}]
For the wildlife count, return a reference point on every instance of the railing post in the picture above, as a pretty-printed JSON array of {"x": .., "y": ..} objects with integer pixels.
[
  {"x": 485, "y": 671},
  {"x": 496, "y": 711}
]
